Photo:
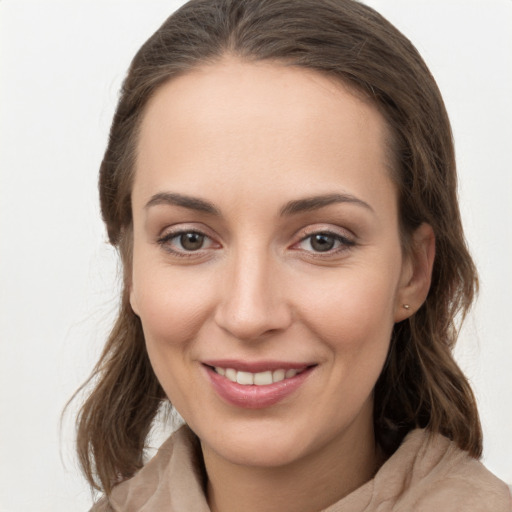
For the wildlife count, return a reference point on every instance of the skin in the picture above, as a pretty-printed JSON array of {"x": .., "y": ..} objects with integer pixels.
[{"x": 257, "y": 289}]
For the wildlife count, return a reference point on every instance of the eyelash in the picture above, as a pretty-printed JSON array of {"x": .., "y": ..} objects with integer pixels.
[
  {"x": 165, "y": 242},
  {"x": 343, "y": 242}
]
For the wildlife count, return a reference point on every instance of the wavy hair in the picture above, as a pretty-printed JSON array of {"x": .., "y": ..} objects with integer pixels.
[{"x": 420, "y": 385}]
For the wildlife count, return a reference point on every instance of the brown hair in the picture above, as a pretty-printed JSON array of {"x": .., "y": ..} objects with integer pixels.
[{"x": 420, "y": 385}]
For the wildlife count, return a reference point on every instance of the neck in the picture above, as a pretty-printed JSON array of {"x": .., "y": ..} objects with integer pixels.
[{"x": 309, "y": 484}]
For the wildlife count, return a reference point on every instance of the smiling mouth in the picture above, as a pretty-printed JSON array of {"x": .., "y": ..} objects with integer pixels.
[
  {"x": 266, "y": 385},
  {"x": 264, "y": 378}
]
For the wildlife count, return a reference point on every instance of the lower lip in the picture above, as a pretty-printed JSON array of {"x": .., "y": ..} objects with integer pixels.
[{"x": 252, "y": 396}]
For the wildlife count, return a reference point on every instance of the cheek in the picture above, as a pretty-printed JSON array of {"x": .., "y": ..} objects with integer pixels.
[
  {"x": 172, "y": 307},
  {"x": 352, "y": 308},
  {"x": 353, "y": 317},
  {"x": 171, "y": 304}
]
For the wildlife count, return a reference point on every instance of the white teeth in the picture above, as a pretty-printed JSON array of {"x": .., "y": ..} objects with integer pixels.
[
  {"x": 278, "y": 375},
  {"x": 263, "y": 378},
  {"x": 231, "y": 374},
  {"x": 257, "y": 379},
  {"x": 245, "y": 378}
]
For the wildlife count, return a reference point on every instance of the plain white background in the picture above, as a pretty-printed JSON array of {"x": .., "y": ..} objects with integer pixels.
[{"x": 61, "y": 65}]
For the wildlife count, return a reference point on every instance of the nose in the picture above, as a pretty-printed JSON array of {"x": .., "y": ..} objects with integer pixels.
[{"x": 253, "y": 302}]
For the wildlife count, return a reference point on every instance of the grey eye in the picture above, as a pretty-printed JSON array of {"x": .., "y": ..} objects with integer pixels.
[
  {"x": 322, "y": 242},
  {"x": 191, "y": 241}
]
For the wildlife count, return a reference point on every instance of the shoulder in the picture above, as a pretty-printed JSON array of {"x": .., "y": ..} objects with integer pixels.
[
  {"x": 101, "y": 506},
  {"x": 429, "y": 472},
  {"x": 171, "y": 480}
]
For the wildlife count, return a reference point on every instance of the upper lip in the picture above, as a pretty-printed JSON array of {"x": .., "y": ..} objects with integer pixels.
[{"x": 256, "y": 366}]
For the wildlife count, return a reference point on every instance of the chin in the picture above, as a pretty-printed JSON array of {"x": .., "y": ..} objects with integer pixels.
[
  {"x": 265, "y": 443},
  {"x": 265, "y": 451}
]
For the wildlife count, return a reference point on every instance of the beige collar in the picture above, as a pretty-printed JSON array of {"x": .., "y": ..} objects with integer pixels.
[{"x": 425, "y": 474}]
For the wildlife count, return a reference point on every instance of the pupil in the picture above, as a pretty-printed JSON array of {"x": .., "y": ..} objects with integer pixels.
[
  {"x": 322, "y": 242},
  {"x": 191, "y": 241}
]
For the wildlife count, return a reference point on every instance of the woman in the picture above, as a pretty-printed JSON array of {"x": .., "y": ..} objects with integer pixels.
[{"x": 280, "y": 182}]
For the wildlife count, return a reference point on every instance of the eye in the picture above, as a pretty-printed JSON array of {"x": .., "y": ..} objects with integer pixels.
[
  {"x": 183, "y": 242},
  {"x": 190, "y": 241},
  {"x": 325, "y": 242}
]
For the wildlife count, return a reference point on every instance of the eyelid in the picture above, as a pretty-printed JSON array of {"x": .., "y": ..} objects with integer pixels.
[
  {"x": 171, "y": 232},
  {"x": 314, "y": 229},
  {"x": 346, "y": 238}
]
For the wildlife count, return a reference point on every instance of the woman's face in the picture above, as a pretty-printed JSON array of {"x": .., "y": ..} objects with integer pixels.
[{"x": 266, "y": 252}]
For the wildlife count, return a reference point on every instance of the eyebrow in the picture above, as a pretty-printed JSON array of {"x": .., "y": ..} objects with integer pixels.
[
  {"x": 290, "y": 208},
  {"x": 317, "y": 202},
  {"x": 193, "y": 203}
]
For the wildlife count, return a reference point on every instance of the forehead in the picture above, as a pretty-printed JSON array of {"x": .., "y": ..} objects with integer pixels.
[{"x": 248, "y": 125}]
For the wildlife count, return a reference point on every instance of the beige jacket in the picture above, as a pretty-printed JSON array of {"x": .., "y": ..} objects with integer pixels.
[{"x": 419, "y": 477}]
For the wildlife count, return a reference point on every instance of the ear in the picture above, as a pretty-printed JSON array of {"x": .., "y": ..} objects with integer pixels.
[
  {"x": 416, "y": 273},
  {"x": 133, "y": 300}
]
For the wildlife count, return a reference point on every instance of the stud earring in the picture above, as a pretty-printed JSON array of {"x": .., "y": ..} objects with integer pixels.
[{"x": 406, "y": 306}]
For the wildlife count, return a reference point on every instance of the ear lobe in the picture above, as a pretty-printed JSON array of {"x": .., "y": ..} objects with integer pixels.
[
  {"x": 133, "y": 301},
  {"x": 417, "y": 273}
]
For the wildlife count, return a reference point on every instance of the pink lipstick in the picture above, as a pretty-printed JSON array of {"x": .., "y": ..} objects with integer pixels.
[{"x": 256, "y": 385}]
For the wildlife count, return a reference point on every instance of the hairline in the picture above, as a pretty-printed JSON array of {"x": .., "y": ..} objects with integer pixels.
[{"x": 391, "y": 163}]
